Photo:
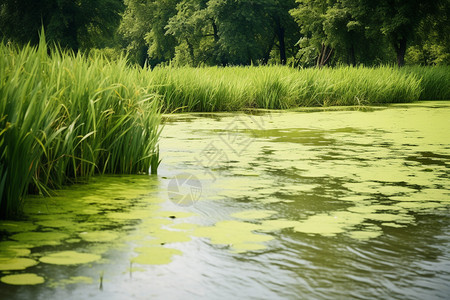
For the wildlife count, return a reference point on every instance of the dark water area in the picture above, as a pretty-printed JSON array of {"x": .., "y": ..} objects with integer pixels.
[{"x": 280, "y": 205}]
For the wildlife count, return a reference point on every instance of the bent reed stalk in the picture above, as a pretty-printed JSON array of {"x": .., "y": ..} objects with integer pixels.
[{"x": 65, "y": 117}]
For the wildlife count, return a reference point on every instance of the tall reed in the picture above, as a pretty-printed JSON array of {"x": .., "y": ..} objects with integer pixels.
[
  {"x": 65, "y": 116},
  {"x": 234, "y": 88},
  {"x": 435, "y": 81}
]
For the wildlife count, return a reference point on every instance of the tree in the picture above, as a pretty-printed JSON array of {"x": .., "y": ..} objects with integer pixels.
[
  {"x": 284, "y": 26},
  {"x": 196, "y": 33},
  {"x": 243, "y": 29},
  {"x": 143, "y": 30},
  {"x": 398, "y": 20},
  {"x": 311, "y": 15},
  {"x": 232, "y": 32},
  {"x": 431, "y": 43},
  {"x": 73, "y": 24}
]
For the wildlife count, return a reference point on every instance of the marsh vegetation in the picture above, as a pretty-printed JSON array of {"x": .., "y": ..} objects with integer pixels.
[{"x": 65, "y": 116}]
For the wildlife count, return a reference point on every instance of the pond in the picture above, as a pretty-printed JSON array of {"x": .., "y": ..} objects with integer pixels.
[{"x": 274, "y": 205}]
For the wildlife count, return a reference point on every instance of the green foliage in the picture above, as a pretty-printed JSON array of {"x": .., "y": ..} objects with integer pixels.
[
  {"x": 76, "y": 25},
  {"x": 236, "y": 88},
  {"x": 195, "y": 33},
  {"x": 243, "y": 29},
  {"x": 434, "y": 81},
  {"x": 215, "y": 32},
  {"x": 66, "y": 116},
  {"x": 143, "y": 30}
]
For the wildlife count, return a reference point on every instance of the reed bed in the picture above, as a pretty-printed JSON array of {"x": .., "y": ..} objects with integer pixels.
[
  {"x": 278, "y": 87},
  {"x": 66, "y": 117},
  {"x": 435, "y": 81}
]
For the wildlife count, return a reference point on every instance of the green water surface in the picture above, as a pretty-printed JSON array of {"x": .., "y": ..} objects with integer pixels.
[{"x": 288, "y": 205}]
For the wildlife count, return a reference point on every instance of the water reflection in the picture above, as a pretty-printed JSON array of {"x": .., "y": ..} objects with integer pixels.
[{"x": 342, "y": 204}]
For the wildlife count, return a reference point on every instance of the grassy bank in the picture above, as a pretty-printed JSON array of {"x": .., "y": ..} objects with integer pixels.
[
  {"x": 224, "y": 89},
  {"x": 64, "y": 117}
]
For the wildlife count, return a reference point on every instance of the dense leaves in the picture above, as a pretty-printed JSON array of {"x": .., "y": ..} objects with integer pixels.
[
  {"x": 74, "y": 24},
  {"x": 241, "y": 32}
]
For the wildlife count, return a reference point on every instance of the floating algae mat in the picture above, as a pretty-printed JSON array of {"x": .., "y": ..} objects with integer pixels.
[
  {"x": 22, "y": 279},
  {"x": 18, "y": 263},
  {"x": 326, "y": 204},
  {"x": 40, "y": 238},
  {"x": 69, "y": 258},
  {"x": 154, "y": 255}
]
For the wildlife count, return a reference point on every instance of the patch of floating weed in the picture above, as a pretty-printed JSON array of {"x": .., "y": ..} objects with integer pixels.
[
  {"x": 154, "y": 255},
  {"x": 56, "y": 223},
  {"x": 9, "y": 252},
  {"x": 364, "y": 235},
  {"x": 69, "y": 258},
  {"x": 184, "y": 226},
  {"x": 73, "y": 241},
  {"x": 16, "y": 226},
  {"x": 235, "y": 234},
  {"x": 40, "y": 238},
  {"x": 23, "y": 279},
  {"x": 19, "y": 263},
  {"x": 329, "y": 225},
  {"x": 390, "y": 224}
]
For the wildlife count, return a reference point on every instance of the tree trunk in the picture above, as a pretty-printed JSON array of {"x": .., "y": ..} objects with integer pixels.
[
  {"x": 142, "y": 56},
  {"x": 216, "y": 32},
  {"x": 400, "y": 50},
  {"x": 220, "y": 55},
  {"x": 266, "y": 56},
  {"x": 324, "y": 55},
  {"x": 281, "y": 32}
]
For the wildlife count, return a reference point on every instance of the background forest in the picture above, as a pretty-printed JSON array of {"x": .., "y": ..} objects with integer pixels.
[{"x": 301, "y": 33}]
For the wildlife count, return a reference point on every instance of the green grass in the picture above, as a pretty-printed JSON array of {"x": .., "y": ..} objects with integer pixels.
[
  {"x": 435, "y": 81},
  {"x": 64, "y": 117},
  {"x": 277, "y": 87}
]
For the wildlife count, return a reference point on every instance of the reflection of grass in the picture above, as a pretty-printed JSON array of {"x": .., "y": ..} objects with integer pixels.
[
  {"x": 64, "y": 117},
  {"x": 100, "y": 287}
]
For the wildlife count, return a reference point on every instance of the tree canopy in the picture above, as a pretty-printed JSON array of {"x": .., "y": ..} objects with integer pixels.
[
  {"x": 241, "y": 32},
  {"x": 78, "y": 24}
]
